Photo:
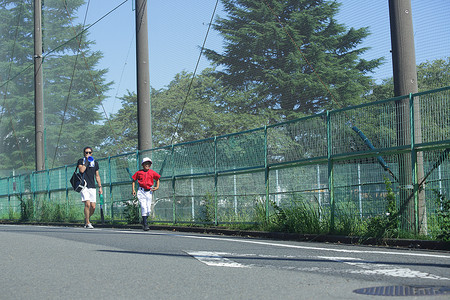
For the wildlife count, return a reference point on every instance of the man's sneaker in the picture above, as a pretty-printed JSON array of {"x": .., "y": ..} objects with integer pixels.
[
  {"x": 89, "y": 226},
  {"x": 146, "y": 228}
]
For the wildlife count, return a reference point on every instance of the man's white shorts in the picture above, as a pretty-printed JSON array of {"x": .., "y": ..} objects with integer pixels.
[{"x": 89, "y": 194}]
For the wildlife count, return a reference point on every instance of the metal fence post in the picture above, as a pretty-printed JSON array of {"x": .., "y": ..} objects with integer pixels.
[
  {"x": 48, "y": 185},
  {"x": 215, "y": 182},
  {"x": 9, "y": 194},
  {"x": 174, "y": 206},
  {"x": 414, "y": 165},
  {"x": 330, "y": 172},
  {"x": 67, "y": 190},
  {"x": 33, "y": 192},
  {"x": 266, "y": 171},
  {"x": 110, "y": 190}
]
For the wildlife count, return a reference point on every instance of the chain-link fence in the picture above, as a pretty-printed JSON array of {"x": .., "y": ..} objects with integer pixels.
[{"x": 338, "y": 161}]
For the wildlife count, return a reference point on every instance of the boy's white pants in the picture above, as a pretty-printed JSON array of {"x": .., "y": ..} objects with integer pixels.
[{"x": 145, "y": 199}]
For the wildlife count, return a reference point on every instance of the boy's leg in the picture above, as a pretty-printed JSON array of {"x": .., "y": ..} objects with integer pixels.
[
  {"x": 144, "y": 223},
  {"x": 148, "y": 199},
  {"x": 144, "y": 208}
]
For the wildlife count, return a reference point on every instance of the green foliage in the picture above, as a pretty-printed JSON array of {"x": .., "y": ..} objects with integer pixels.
[
  {"x": 48, "y": 211},
  {"x": 75, "y": 213},
  {"x": 131, "y": 211},
  {"x": 208, "y": 209},
  {"x": 12, "y": 214},
  {"x": 26, "y": 209},
  {"x": 73, "y": 87},
  {"x": 44, "y": 211},
  {"x": 430, "y": 75},
  {"x": 387, "y": 225},
  {"x": 259, "y": 217},
  {"x": 346, "y": 221},
  {"x": 443, "y": 216},
  {"x": 125, "y": 123},
  {"x": 59, "y": 213},
  {"x": 208, "y": 110},
  {"x": 433, "y": 74},
  {"x": 299, "y": 217},
  {"x": 259, "y": 55}
]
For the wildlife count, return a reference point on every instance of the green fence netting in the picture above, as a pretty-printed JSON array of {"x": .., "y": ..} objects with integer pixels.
[{"x": 337, "y": 162}]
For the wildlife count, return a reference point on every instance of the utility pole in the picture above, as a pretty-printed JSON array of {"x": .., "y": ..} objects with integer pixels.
[
  {"x": 412, "y": 197},
  {"x": 38, "y": 88},
  {"x": 143, "y": 78}
]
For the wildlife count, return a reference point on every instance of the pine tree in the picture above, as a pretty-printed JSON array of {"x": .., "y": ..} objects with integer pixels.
[
  {"x": 259, "y": 51},
  {"x": 72, "y": 85}
]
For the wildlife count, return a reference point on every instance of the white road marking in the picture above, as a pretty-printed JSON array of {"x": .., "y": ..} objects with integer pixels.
[
  {"x": 215, "y": 259},
  {"x": 371, "y": 268},
  {"x": 256, "y": 242},
  {"x": 402, "y": 253}
]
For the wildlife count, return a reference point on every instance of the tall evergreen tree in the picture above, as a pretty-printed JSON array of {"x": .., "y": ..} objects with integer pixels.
[
  {"x": 277, "y": 45},
  {"x": 72, "y": 85}
]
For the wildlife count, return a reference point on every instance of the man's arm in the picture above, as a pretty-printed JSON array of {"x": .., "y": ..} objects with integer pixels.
[
  {"x": 97, "y": 177},
  {"x": 83, "y": 167}
]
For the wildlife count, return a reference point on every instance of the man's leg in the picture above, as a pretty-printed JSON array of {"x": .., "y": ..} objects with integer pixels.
[
  {"x": 87, "y": 214},
  {"x": 91, "y": 209}
]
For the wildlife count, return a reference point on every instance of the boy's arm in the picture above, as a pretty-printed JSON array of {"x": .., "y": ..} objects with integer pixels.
[
  {"x": 157, "y": 186},
  {"x": 132, "y": 186}
]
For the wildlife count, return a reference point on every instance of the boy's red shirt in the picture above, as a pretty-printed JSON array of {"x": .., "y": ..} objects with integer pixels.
[{"x": 146, "y": 179}]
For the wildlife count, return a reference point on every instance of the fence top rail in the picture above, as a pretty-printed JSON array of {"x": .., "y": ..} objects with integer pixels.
[
  {"x": 389, "y": 100},
  {"x": 432, "y": 91},
  {"x": 318, "y": 115}
]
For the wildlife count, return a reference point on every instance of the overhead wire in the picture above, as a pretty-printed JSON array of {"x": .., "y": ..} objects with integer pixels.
[
  {"x": 71, "y": 81},
  {"x": 190, "y": 86},
  {"x": 122, "y": 72},
  {"x": 78, "y": 37},
  {"x": 194, "y": 73}
]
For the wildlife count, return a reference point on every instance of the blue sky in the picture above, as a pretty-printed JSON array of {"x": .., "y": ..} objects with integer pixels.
[{"x": 177, "y": 29}]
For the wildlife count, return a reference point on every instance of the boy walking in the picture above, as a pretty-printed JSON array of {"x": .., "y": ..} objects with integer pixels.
[{"x": 145, "y": 178}]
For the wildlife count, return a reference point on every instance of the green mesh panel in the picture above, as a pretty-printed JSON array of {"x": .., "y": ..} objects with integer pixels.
[
  {"x": 240, "y": 151},
  {"x": 228, "y": 178},
  {"x": 295, "y": 141}
]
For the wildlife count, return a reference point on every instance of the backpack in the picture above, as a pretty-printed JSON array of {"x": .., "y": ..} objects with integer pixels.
[{"x": 77, "y": 181}]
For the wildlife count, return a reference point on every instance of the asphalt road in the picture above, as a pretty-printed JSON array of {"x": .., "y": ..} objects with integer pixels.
[{"x": 41, "y": 262}]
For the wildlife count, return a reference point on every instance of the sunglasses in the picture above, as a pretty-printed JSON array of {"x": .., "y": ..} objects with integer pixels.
[{"x": 88, "y": 152}]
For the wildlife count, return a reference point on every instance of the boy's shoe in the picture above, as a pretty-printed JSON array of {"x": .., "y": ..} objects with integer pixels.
[
  {"x": 89, "y": 226},
  {"x": 146, "y": 228}
]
